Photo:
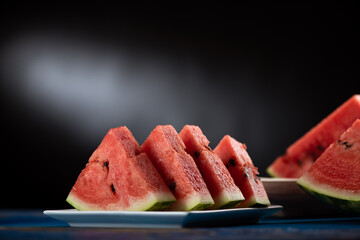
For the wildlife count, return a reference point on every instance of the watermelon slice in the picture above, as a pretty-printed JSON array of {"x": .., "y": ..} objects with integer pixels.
[
  {"x": 237, "y": 160},
  {"x": 167, "y": 152},
  {"x": 335, "y": 176},
  {"x": 301, "y": 155},
  {"x": 119, "y": 177},
  {"x": 217, "y": 178}
]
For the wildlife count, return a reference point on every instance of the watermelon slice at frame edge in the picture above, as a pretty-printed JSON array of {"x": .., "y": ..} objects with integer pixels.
[
  {"x": 303, "y": 153},
  {"x": 335, "y": 176}
]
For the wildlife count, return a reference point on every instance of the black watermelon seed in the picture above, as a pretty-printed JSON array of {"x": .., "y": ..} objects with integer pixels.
[
  {"x": 106, "y": 164},
  {"x": 319, "y": 147},
  {"x": 348, "y": 146},
  {"x": 196, "y": 154},
  {"x": 172, "y": 186},
  {"x": 113, "y": 188},
  {"x": 232, "y": 162}
]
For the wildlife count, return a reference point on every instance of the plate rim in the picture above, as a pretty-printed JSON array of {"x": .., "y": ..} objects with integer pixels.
[
  {"x": 78, "y": 212},
  {"x": 162, "y": 219},
  {"x": 279, "y": 180}
]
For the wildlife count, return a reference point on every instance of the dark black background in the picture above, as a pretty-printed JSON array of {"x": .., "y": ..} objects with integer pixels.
[{"x": 263, "y": 73}]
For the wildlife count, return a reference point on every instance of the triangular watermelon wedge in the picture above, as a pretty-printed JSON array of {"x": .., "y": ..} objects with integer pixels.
[
  {"x": 217, "y": 178},
  {"x": 303, "y": 153},
  {"x": 335, "y": 176},
  {"x": 119, "y": 177},
  {"x": 167, "y": 152},
  {"x": 237, "y": 160}
]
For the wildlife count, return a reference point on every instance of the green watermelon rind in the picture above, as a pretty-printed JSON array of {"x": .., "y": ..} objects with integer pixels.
[
  {"x": 253, "y": 202},
  {"x": 73, "y": 202},
  {"x": 271, "y": 173},
  {"x": 349, "y": 204},
  {"x": 191, "y": 204},
  {"x": 201, "y": 206},
  {"x": 229, "y": 204},
  {"x": 228, "y": 200},
  {"x": 160, "y": 206},
  {"x": 150, "y": 204}
]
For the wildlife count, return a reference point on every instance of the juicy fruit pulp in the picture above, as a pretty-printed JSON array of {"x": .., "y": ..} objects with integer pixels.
[
  {"x": 119, "y": 177},
  {"x": 167, "y": 152},
  {"x": 217, "y": 178},
  {"x": 335, "y": 176},
  {"x": 237, "y": 160},
  {"x": 302, "y": 154}
]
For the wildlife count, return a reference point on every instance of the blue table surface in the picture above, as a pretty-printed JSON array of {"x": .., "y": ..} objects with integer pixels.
[{"x": 33, "y": 224}]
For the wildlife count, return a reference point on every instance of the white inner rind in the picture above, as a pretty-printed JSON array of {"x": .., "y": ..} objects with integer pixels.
[
  {"x": 190, "y": 203},
  {"x": 311, "y": 184},
  {"x": 226, "y": 197},
  {"x": 248, "y": 202},
  {"x": 138, "y": 205},
  {"x": 271, "y": 172}
]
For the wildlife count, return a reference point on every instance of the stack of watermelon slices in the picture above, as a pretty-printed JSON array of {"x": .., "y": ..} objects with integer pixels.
[
  {"x": 168, "y": 172},
  {"x": 217, "y": 178},
  {"x": 119, "y": 177}
]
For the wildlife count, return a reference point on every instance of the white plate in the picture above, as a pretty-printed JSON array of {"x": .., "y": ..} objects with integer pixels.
[{"x": 162, "y": 219}]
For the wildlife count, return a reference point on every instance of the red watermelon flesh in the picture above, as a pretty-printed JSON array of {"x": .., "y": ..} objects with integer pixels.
[
  {"x": 217, "y": 178},
  {"x": 167, "y": 152},
  {"x": 119, "y": 177},
  {"x": 301, "y": 154},
  {"x": 335, "y": 176},
  {"x": 237, "y": 160}
]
